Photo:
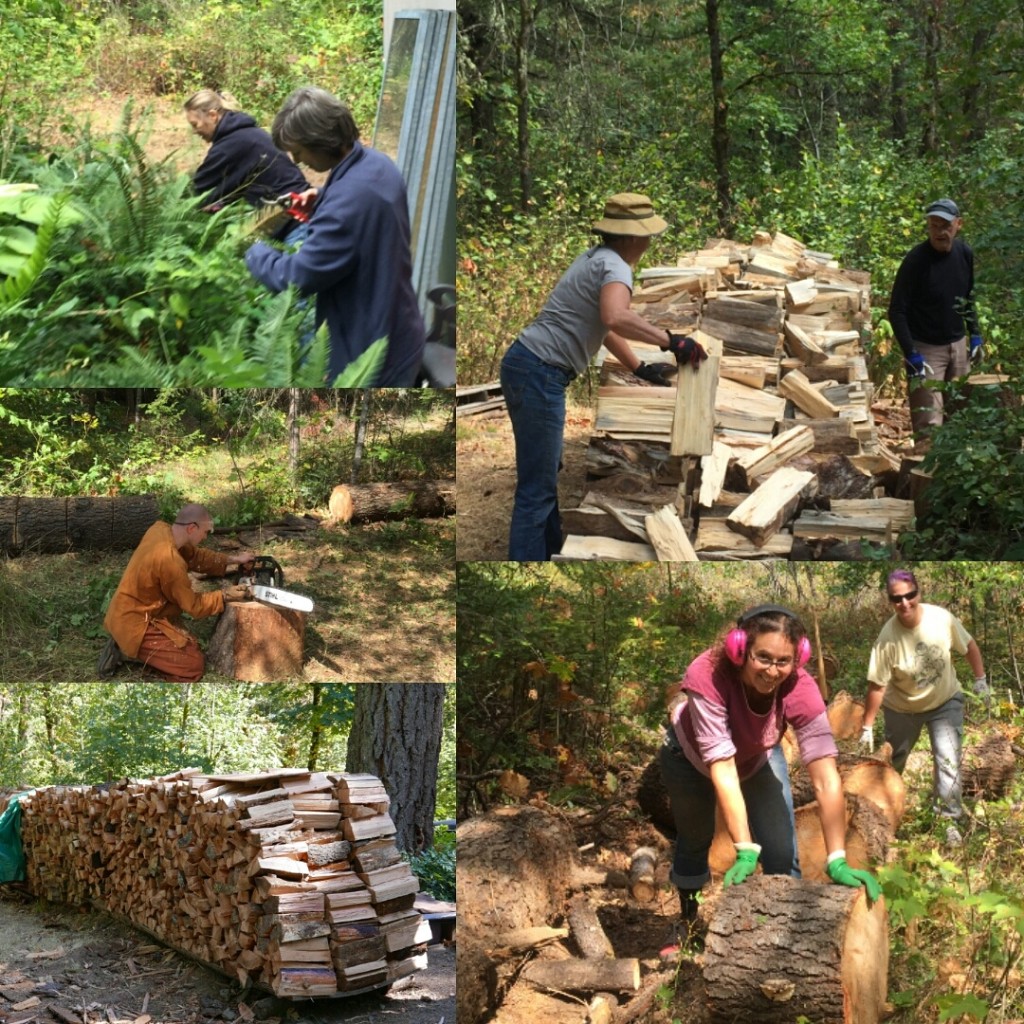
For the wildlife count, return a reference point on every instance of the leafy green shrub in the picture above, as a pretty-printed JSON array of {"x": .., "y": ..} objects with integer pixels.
[{"x": 435, "y": 868}]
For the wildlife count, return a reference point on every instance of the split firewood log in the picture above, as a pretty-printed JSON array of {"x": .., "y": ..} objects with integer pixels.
[{"x": 779, "y": 949}]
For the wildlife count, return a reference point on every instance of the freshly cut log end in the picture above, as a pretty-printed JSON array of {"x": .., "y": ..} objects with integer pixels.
[
  {"x": 781, "y": 948},
  {"x": 641, "y": 874}
]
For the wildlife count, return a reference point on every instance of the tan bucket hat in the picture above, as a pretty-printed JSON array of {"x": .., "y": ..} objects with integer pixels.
[{"x": 629, "y": 213}]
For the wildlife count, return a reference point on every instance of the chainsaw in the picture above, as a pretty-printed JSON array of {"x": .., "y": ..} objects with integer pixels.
[{"x": 264, "y": 577}]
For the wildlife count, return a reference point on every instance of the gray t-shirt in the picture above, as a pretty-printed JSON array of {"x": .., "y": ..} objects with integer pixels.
[{"x": 568, "y": 330}]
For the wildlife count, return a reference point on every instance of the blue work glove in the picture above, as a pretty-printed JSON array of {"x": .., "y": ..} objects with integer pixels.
[
  {"x": 686, "y": 349},
  {"x": 746, "y": 862},
  {"x": 656, "y": 373},
  {"x": 917, "y": 368},
  {"x": 842, "y": 874},
  {"x": 976, "y": 347}
]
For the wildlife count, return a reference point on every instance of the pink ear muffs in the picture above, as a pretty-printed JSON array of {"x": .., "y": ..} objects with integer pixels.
[{"x": 736, "y": 639}]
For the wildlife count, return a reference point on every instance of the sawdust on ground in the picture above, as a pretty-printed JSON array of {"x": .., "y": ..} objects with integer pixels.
[
  {"x": 485, "y": 450},
  {"x": 97, "y": 969}
]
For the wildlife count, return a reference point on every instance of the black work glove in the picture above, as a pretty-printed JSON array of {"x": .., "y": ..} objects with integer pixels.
[
  {"x": 686, "y": 349},
  {"x": 656, "y": 373}
]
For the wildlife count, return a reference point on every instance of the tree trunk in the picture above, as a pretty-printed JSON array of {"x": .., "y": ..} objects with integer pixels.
[
  {"x": 257, "y": 643},
  {"x": 316, "y": 728},
  {"x": 59, "y": 525},
  {"x": 781, "y": 948},
  {"x": 720, "y": 120},
  {"x": 293, "y": 433},
  {"x": 362, "y": 503},
  {"x": 932, "y": 85},
  {"x": 396, "y": 735},
  {"x": 364, "y": 418},
  {"x": 523, "y": 102}
]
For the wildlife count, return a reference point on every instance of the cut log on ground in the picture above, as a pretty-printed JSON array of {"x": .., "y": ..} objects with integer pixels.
[
  {"x": 641, "y": 874},
  {"x": 584, "y": 975},
  {"x": 989, "y": 767},
  {"x": 364, "y": 503},
  {"x": 781, "y": 948},
  {"x": 59, "y": 525},
  {"x": 257, "y": 643},
  {"x": 587, "y": 933}
]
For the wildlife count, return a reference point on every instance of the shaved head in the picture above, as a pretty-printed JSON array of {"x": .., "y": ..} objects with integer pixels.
[{"x": 193, "y": 513}]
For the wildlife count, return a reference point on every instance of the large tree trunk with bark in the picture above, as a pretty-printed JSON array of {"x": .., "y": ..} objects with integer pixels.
[
  {"x": 59, "y": 525},
  {"x": 396, "y": 735},
  {"x": 781, "y": 948},
  {"x": 719, "y": 119},
  {"x": 363, "y": 503},
  {"x": 515, "y": 868},
  {"x": 257, "y": 643}
]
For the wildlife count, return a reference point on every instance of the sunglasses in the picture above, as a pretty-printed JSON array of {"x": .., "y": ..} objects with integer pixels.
[{"x": 908, "y": 596}]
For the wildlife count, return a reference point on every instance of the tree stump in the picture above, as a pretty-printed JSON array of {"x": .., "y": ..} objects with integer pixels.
[
  {"x": 515, "y": 868},
  {"x": 361, "y": 503},
  {"x": 257, "y": 643},
  {"x": 781, "y": 948}
]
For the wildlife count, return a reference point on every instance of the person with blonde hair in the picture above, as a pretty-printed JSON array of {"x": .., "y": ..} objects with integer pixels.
[{"x": 242, "y": 162}]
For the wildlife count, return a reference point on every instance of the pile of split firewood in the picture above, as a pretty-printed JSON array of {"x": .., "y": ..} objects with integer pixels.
[
  {"x": 289, "y": 880},
  {"x": 769, "y": 450}
]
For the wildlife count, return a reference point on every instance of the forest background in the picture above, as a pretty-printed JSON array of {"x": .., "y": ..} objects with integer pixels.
[
  {"x": 110, "y": 274},
  {"x": 565, "y": 671},
  {"x": 832, "y": 122}
]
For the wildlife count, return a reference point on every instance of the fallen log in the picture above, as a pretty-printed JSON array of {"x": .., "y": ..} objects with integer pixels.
[
  {"x": 58, "y": 525},
  {"x": 781, "y": 948},
  {"x": 364, "y": 503},
  {"x": 587, "y": 933},
  {"x": 989, "y": 767},
  {"x": 584, "y": 975}
]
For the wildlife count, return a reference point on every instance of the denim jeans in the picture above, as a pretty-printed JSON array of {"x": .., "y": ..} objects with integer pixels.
[
  {"x": 769, "y": 803},
  {"x": 946, "y": 730},
  {"x": 535, "y": 397}
]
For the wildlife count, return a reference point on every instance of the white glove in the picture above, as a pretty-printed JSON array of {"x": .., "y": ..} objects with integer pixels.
[
  {"x": 981, "y": 689},
  {"x": 867, "y": 738}
]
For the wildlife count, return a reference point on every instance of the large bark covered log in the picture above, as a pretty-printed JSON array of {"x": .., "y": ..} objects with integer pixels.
[
  {"x": 781, "y": 948},
  {"x": 515, "y": 868},
  {"x": 989, "y": 767},
  {"x": 57, "y": 525},
  {"x": 258, "y": 643},
  {"x": 362, "y": 503}
]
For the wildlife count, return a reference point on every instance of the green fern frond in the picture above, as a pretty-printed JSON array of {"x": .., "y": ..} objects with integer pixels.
[
  {"x": 364, "y": 370},
  {"x": 15, "y": 288}
]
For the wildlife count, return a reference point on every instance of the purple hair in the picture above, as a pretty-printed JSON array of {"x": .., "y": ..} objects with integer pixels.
[{"x": 901, "y": 576}]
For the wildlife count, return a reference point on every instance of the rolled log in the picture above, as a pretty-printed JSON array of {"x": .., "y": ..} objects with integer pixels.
[
  {"x": 58, "y": 525},
  {"x": 781, "y": 948},
  {"x": 586, "y": 930},
  {"x": 641, "y": 874},
  {"x": 585, "y": 975},
  {"x": 363, "y": 503},
  {"x": 257, "y": 642},
  {"x": 871, "y": 778}
]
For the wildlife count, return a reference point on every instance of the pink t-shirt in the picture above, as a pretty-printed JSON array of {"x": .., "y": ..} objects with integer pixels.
[{"x": 716, "y": 721}]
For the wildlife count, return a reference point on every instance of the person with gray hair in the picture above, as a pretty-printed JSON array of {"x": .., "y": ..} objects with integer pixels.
[{"x": 357, "y": 258}]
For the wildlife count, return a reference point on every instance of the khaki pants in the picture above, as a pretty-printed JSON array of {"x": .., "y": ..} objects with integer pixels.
[
  {"x": 947, "y": 362},
  {"x": 172, "y": 653}
]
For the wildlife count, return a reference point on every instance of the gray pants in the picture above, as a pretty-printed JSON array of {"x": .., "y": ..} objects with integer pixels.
[
  {"x": 947, "y": 362},
  {"x": 946, "y": 731}
]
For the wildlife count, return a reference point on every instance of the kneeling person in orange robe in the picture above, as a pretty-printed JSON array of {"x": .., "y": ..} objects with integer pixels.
[{"x": 143, "y": 619}]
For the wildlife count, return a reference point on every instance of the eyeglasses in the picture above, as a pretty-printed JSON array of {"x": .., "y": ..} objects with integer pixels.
[
  {"x": 908, "y": 597},
  {"x": 765, "y": 662}
]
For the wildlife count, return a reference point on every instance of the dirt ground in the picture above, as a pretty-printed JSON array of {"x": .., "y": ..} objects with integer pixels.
[
  {"x": 97, "y": 969},
  {"x": 487, "y": 479}
]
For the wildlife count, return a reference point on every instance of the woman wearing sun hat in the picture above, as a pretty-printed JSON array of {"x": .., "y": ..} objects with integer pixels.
[{"x": 589, "y": 306}]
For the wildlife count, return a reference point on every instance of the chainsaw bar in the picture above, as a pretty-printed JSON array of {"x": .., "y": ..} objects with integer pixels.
[{"x": 282, "y": 598}]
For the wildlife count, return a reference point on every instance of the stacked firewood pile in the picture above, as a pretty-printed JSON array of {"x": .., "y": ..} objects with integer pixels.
[
  {"x": 289, "y": 880},
  {"x": 769, "y": 450}
]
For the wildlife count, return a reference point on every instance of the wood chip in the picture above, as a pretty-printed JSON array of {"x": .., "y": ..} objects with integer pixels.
[{"x": 27, "y": 1004}]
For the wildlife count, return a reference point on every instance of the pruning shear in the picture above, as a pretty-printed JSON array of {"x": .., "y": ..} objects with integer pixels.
[{"x": 296, "y": 204}]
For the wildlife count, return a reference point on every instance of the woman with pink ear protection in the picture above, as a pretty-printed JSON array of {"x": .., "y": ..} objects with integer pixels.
[{"x": 722, "y": 747}]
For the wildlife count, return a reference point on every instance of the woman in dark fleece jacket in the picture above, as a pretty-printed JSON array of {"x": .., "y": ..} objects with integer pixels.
[{"x": 243, "y": 162}]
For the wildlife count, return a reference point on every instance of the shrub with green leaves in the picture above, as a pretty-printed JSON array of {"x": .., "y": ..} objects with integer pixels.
[{"x": 435, "y": 868}]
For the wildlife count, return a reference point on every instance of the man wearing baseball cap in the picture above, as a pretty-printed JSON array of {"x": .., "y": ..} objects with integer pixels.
[{"x": 932, "y": 313}]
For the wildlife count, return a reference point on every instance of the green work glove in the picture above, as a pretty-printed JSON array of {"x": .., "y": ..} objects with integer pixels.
[
  {"x": 746, "y": 861},
  {"x": 841, "y": 872}
]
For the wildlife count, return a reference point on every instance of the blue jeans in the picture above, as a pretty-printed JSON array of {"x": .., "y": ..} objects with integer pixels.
[
  {"x": 946, "y": 730},
  {"x": 535, "y": 397},
  {"x": 769, "y": 802}
]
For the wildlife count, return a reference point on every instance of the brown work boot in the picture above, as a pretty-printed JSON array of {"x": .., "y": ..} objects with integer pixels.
[{"x": 110, "y": 660}]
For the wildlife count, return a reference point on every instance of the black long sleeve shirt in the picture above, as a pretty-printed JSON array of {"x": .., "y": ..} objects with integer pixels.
[{"x": 932, "y": 296}]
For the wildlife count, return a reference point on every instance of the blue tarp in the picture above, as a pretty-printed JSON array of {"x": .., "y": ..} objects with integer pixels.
[{"x": 12, "y": 857}]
